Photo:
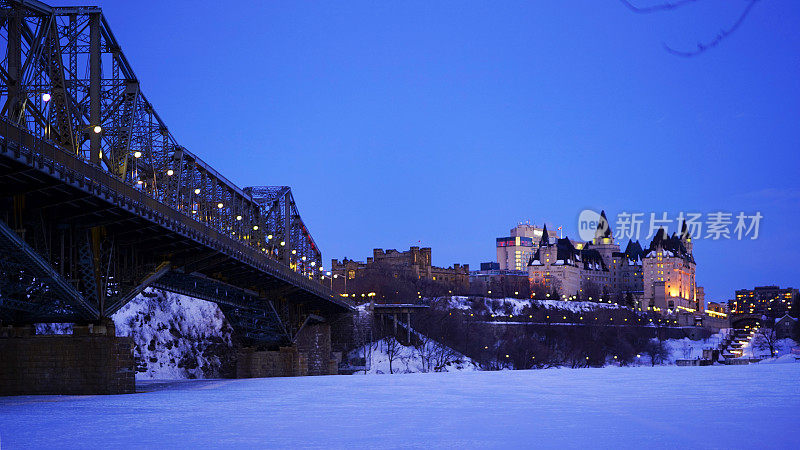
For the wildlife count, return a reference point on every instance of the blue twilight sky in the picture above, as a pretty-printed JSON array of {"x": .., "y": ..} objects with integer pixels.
[{"x": 446, "y": 123}]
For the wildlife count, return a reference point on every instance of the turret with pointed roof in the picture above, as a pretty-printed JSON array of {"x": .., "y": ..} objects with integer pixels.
[
  {"x": 603, "y": 230},
  {"x": 686, "y": 237},
  {"x": 674, "y": 245},
  {"x": 545, "y": 240}
]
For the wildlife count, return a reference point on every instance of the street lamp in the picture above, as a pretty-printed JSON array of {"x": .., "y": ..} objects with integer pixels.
[
  {"x": 45, "y": 99},
  {"x": 336, "y": 275}
]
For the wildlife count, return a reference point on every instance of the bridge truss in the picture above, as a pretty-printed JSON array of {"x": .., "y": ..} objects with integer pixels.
[{"x": 100, "y": 201}]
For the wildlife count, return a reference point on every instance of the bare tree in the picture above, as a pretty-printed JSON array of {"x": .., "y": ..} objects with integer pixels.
[
  {"x": 393, "y": 349},
  {"x": 675, "y": 4},
  {"x": 442, "y": 356},
  {"x": 766, "y": 339},
  {"x": 425, "y": 350},
  {"x": 656, "y": 350},
  {"x": 686, "y": 349}
]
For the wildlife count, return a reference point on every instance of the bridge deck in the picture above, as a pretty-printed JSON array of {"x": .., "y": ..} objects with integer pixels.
[{"x": 63, "y": 188}]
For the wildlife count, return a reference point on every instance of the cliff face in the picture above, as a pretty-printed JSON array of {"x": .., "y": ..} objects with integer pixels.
[{"x": 177, "y": 337}]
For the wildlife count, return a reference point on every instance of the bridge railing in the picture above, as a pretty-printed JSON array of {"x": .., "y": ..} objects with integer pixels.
[{"x": 21, "y": 145}]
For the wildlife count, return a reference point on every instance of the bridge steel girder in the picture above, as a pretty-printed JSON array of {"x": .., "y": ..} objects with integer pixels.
[
  {"x": 147, "y": 281},
  {"x": 83, "y": 152},
  {"x": 253, "y": 317},
  {"x": 134, "y": 144},
  {"x": 55, "y": 295}
]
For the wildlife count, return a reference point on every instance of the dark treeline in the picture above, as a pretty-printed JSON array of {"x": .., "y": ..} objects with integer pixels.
[{"x": 542, "y": 340}]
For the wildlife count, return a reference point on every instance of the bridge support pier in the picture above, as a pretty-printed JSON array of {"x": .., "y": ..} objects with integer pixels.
[
  {"x": 310, "y": 355},
  {"x": 90, "y": 361}
]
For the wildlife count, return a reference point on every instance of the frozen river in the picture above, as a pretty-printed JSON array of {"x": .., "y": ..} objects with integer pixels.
[{"x": 719, "y": 406}]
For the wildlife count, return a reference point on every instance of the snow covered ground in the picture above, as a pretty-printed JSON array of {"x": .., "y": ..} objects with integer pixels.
[
  {"x": 688, "y": 349},
  {"x": 753, "y": 406},
  {"x": 428, "y": 357},
  {"x": 515, "y": 306}
]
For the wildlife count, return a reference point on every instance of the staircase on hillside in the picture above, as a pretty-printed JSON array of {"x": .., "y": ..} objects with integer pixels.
[{"x": 733, "y": 347}]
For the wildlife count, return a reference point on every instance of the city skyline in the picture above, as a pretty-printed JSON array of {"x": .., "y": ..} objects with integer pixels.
[{"x": 450, "y": 125}]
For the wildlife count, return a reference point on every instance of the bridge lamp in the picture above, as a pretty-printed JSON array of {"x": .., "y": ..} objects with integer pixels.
[
  {"x": 45, "y": 97},
  {"x": 255, "y": 227},
  {"x": 283, "y": 243},
  {"x": 303, "y": 258},
  {"x": 313, "y": 263},
  {"x": 197, "y": 191},
  {"x": 327, "y": 273},
  {"x": 137, "y": 154},
  {"x": 170, "y": 172},
  {"x": 321, "y": 269},
  {"x": 269, "y": 236},
  {"x": 294, "y": 252},
  {"x": 220, "y": 205},
  {"x": 238, "y": 217},
  {"x": 140, "y": 182},
  {"x": 98, "y": 129}
]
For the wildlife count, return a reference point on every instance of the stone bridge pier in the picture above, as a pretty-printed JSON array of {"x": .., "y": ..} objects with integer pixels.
[
  {"x": 92, "y": 360},
  {"x": 310, "y": 353}
]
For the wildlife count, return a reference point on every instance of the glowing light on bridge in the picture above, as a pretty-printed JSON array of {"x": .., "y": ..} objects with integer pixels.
[
  {"x": 137, "y": 155},
  {"x": 170, "y": 173},
  {"x": 238, "y": 217},
  {"x": 98, "y": 129},
  {"x": 45, "y": 97},
  {"x": 197, "y": 191},
  {"x": 220, "y": 205},
  {"x": 255, "y": 227}
]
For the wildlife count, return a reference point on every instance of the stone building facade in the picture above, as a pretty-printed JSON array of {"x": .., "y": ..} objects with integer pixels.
[
  {"x": 414, "y": 263},
  {"x": 661, "y": 277},
  {"x": 559, "y": 266},
  {"x": 669, "y": 273}
]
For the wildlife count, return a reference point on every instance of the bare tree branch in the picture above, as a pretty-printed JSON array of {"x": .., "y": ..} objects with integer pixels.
[
  {"x": 701, "y": 47},
  {"x": 666, "y": 6}
]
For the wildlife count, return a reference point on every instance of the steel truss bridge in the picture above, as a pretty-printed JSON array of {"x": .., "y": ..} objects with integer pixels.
[{"x": 98, "y": 201}]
